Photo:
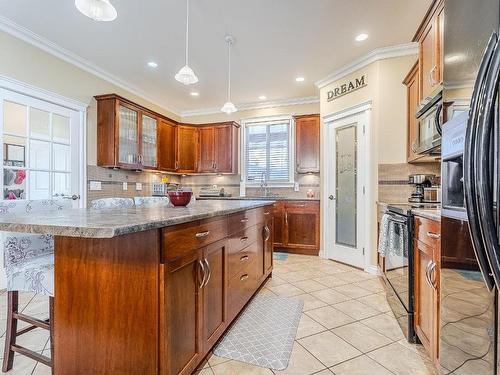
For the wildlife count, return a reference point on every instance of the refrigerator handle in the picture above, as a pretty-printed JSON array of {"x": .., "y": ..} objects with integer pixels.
[
  {"x": 484, "y": 187},
  {"x": 470, "y": 170}
]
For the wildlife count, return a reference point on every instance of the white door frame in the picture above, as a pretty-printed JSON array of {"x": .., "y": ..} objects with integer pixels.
[
  {"x": 363, "y": 110},
  {"x": 54, "y": 98}
]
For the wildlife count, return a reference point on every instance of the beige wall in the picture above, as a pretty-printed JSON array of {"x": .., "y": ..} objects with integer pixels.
[
  {"x": 387, "y": 143},
  {"x": 26, "y": 63}
]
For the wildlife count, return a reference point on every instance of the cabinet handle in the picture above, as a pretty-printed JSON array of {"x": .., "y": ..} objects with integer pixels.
[
  {"x": 209, "y": 271},
  {"x": 245, "y": 220},
  {"x": 176, "y": 165},
  {"x": 244, "y": 277},
  {"x": 202, "y": 266},
  {"x": 244, "y": 258},
  {"x": 215, "y": 165},
  {"x": 286, "y": 217},
  {"x": 268, "y": 233},
  {"x": 427, "y": 277},
  {"x": 244, "y": 239},
  {"x": 266, "y": 213},
  {"x": 433, "y": 235},
  {"x": 202, "y": 234},
  {"x": 431, "y": 275}
]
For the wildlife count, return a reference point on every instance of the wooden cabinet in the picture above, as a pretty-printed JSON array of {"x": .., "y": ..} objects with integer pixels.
[
  {"x": 430, "y": 39},
  {"x": 219, "y": 148},
  {"x": 427, "y": 264},
  {"x": 412, "y": 102},
  {"x": 126, "y": 134},
  {"x": 167, "y": 139},
  {"x": 307, "y": 130},
  {"x": 297, "y": 226},
  {"x": 187, "y": 149}
]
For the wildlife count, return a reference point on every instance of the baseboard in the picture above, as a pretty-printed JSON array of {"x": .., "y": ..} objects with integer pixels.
[
  {"x": 314, "y": 252},
  {"x": 374, "y": 270}
]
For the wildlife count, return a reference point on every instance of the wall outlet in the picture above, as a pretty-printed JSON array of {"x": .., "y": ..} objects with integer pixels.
[
  {"x": 125, "y": 186},
  {"x": 296, "y": 187},
  {"x": 95, "y": 185},
  {"x": 138, "y": 186}
]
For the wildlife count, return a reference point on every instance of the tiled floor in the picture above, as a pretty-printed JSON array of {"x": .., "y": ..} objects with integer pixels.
[{"x": 346, "y": 327}]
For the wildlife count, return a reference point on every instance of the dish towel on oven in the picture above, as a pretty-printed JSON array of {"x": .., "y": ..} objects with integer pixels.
[{"x": 392, "y": 237}]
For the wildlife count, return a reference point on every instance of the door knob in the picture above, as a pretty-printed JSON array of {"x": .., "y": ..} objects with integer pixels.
[
  {"x": 74, "y": 197},
  {"x": 330, "y": 197}
]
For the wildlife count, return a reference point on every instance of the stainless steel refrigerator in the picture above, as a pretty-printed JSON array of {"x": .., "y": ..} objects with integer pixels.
[{"x": 470, "y": 223}]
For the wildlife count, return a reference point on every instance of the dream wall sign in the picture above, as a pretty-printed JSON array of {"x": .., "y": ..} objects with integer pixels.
[{"x": 346, "y": 88}]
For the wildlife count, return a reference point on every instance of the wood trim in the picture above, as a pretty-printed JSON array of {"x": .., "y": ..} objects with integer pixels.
[{"x": 433, "y": 9}]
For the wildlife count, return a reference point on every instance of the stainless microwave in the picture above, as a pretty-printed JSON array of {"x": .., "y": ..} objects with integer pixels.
[{"x": 430, "y": 119}]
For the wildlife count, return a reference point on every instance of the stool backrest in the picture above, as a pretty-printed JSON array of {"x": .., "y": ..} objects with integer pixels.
[
  {"x": 99, "y": 204},
  {"x": 151, "y": 201},
  {"x": 20, "y": 247}
]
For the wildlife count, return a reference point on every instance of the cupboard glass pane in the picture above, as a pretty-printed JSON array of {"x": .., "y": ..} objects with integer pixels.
[
  {"x": 39, "y": 185},
  {"x": 149, "y": 141},
  {"x": 128, "y": 136},
  {"x": 61, "y": 157},
  {"x": 39, "y": 154},
  {"x": 346, "y": 181},
  {"x": 14, "y": 151},
  {"x": 60, "y": 128},
  {"x": 39, "y": 123},
  {"x": 62, "y": 184},
  {"x": 14, "y": 183},
  {"x": 14, "y": 118}
]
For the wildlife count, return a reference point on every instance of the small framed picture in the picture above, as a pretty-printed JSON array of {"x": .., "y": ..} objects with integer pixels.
[{"x": 14, "y": 155}]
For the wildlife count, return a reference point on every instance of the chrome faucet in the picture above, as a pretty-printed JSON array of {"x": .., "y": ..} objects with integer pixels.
[{"x": 264, "y": 190}]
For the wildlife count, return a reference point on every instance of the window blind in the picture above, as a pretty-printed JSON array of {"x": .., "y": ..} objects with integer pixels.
[{"x": 267, "y": 151}]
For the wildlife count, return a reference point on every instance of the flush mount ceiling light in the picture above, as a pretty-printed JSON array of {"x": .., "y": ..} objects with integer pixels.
[
  {"x": 186, "y": 74},
  {"x": 194, "y": 93},
  {"x": 361, "y": 37},
  {"x": 98, "y": 10},
  {"x": 229, "y": 107},
  {"x": 262, "y": 97},
  {"x": 300, "y": 79},
  {"x": 152, "y": 64}
]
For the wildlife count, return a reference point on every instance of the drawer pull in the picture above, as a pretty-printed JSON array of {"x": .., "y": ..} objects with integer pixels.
[
  {"x": 244, "y": 258},
  {"x": 203, "y": 270},
  {"x": 268, "y": 233},
  {"x": 244, "y": 277},
  {"x": 245, "y": 220},
  {"x": 433, "y": 235},
  {"x": 266, "y": 213},
  {"x": 202, "y": 234},
  {"x": 244, "y": 239}
]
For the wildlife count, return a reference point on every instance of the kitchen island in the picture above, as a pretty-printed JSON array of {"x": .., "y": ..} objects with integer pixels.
[{"x": 150, "y": 290}]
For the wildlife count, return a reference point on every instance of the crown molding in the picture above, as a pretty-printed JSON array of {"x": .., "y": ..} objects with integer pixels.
[
  {"x": 371, "y": 57},
  {"x": 10, "y": 27},
  {"x": 253, "y": 105}
]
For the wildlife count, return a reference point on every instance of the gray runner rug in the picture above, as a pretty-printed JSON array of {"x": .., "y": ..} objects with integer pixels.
[{"x": 264, "y": 333}]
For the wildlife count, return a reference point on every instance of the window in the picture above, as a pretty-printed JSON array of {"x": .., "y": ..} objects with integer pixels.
[{"x": 268, "y": 151}]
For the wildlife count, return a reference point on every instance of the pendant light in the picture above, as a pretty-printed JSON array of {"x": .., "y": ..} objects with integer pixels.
[
  {"x": 98, "y": 10},
  {"x": 229, "y": 107},
  {"x": 186, "y": 74}
]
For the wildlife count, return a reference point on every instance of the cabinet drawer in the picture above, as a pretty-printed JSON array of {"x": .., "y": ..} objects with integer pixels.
[
  {"x": 181, "y": 239},
  {"x": 303, "y": 205},
  {"x": 238, "y": 241},
  {"x": 241, "y": 220},
  {"x": 239, "y": 261},
  {"x": 241, "y": 287},
  {"x": 427, "y": 231}
]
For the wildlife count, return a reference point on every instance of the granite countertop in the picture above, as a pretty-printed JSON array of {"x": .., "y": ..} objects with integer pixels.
[
  {"x": 107, "y": 223},
  {"x": 428, "y": 213},
  {"x": 279, "y": 198}
]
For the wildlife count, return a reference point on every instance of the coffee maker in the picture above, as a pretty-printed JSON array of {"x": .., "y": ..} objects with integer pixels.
[{"x": 421, "y": 183}]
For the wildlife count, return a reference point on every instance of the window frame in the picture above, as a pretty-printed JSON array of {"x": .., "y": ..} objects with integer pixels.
[{"x": 291, "y": 150}]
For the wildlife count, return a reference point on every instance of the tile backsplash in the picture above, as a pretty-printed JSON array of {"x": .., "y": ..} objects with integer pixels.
[{"x": 393, "y": 184}]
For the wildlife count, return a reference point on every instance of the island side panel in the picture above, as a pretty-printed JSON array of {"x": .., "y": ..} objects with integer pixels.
[{"x": 106, "y": 304}]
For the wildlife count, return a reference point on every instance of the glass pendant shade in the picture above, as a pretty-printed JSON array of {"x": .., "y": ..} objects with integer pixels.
[
  {"x": 98, "y": 10},
  {"x": 186, "y": 76},
  {"x": 228, "y": 108}
]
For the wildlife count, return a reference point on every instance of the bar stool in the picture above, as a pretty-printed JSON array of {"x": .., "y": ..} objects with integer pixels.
[
  {"x": 98, "y": 204},
  {"x": 29, "y": 267},
  {"x": 151, "y": 201}
]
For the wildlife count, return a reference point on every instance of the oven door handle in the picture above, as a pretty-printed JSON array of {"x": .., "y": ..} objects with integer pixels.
[
  {"x": 484, "y": 151},
  {"x": 470, "y": 167},
  {"x": 437, "y": 119}
]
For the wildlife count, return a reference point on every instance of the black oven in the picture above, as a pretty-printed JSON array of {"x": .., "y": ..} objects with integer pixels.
[{"x": 398, "y": 268}]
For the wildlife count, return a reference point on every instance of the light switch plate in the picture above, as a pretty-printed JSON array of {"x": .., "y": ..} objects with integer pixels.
[
  {"x": 296, "y": 187},
  {"x": 125, "y": 186},
  {"x": 138, "y": 186},
  {"x": 95, "y": 185}
]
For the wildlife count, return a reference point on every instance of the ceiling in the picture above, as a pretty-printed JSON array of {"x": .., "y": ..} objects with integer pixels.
[{"x": 275, "y": 42}]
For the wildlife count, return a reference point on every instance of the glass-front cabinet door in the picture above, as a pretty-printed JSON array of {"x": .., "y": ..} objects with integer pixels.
[
  {"x": 148, "y": 156},
  {"x": 128, "y": 136}
]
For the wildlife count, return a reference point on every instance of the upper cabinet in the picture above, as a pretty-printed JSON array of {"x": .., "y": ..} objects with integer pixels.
[
  {"x": 130, "y": 136},
  {"x": 219, "y": 148},
  {"x": 430, "y": 39},
  {"x": 412, "y": 102},
  {"x": 307, "y": 130},
  {"x": 126, "y": 134}
]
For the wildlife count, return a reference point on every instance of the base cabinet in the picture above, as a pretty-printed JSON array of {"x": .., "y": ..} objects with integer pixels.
[{"x": 297, "y": 227}]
